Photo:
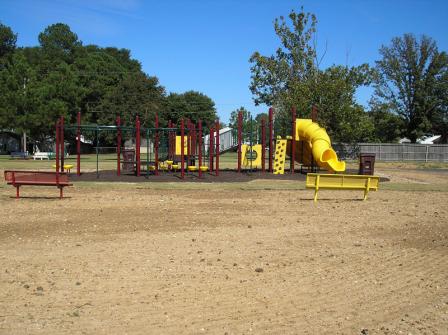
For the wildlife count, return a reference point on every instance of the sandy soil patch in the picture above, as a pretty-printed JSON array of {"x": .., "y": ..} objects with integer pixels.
[{"x": 134, "y": 260}]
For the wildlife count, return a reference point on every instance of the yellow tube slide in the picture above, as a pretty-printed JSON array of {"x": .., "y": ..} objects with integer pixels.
[{"x": 317, "y": 137}]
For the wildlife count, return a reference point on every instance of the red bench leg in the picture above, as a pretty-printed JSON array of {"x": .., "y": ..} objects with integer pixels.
[
  {"x": 61, "y": 192},
  {"x": 17, "y": 192}
]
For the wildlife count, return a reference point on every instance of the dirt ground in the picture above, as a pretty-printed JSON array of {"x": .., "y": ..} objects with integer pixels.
[{"x": 132, "y": 259}]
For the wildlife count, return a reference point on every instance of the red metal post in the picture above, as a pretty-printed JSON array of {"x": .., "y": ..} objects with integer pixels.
[
  {"x": 217, "y": 147},
  {"x": 137, "y": 145},
  {"x": 170, "y": 153},
  {"x": 271, "y": 138},
  {"x": 118, "y": 146},
  {"x": 57, "y": 149},
  {"x": 182, "y": 146},
  {"x": 314, "y": 113},
  {"x": 200, "y": 147},
  {"x": 293, "y": 139},
  {"x": 61, "y": 139},
  {"x": 263, "y": 145},
  {"x": 240, "y": 138},
  {"x": 78, "y": 145},
  {"x": 188, "y": 141},
  {"x": 173, "y": 140},
  {"x": 156, "y": 146},
  {"x": 211, "y": 142},
  {"x": 193, "y": 140}
]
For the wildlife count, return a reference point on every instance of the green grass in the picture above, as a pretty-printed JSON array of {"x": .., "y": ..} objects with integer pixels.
[
  {"x": 245, "y": 186},
  {"x": 227, "y": 160}
]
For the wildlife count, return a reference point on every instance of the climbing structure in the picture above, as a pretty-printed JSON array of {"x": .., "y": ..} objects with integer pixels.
[{"x": 280, "y": 156}]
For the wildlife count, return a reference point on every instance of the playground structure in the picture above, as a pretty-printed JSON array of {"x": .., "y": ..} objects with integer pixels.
[
  {"x": 171, "y": 149},
  {"x": 190, "y": 148}
]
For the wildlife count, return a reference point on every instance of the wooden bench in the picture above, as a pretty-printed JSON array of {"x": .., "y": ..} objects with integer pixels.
[
  {"x": 36, "y": 178},
  {"x": 41, "y": 155},
  {"x": 19, "y": 155},
  {"x": 342, "y": 182}
]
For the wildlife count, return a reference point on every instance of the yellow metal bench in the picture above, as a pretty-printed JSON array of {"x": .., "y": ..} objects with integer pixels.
[{"x": 342, "y": 182}]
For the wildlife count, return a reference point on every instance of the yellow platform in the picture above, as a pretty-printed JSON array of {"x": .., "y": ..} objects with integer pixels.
[{"x": 67, "y": 167}]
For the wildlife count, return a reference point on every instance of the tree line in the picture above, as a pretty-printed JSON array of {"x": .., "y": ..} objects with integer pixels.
[
  {"x": 410, "y": 85},
  {"x": 61, "y": 76}
]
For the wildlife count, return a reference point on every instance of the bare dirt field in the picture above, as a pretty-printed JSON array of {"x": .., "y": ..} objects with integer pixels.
[{"x": 249, "y": 258}]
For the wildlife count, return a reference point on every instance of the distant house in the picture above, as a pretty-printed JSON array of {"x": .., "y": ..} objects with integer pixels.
[
  {"x": 430, "y": 139},
  {"x": 427, "y": 139},
  {"x": 9, "y": 142}
]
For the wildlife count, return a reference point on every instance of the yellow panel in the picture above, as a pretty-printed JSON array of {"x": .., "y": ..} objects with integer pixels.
[
  {"x": 280, "y": 156},
  {"x": 178, "y": 145},
  {"x": 245, "y": 155}
]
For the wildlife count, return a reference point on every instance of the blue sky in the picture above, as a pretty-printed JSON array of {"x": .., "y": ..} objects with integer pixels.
[{"x": 205, "y": 45}]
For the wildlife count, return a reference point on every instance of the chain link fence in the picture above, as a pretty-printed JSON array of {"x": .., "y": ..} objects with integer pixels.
[{"x": 394, "y": 152}]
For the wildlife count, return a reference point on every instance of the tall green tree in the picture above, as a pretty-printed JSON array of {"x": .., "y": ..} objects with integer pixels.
[
  {"x": 388, "y": 126},
  {"x": 190, "y": 105},
  {"x": 411, "y": 79},
  {"x": 7, "y": 40},
  {"x": 246, "y": 116},
  {"x": 59, "y": 43},
  {"x": 292, "y": 77}
]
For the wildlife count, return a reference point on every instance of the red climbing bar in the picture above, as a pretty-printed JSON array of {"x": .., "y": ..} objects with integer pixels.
[
  {"x": 211, "y": 142},
  {"x": 118, "y": 146},
  {"x": 188, "y": 142},
  {"x": 293, "y": 139},
  {"x": 156, "y": 146},
  {"x": 137, "y": 145},
  {"x": 170, "y": 141},
  {"x": 182, "y": 146},
  {"x": 263, "y": 145},
  {"x": 217, "y": 147},
  {"x": 57, "y": 150},
  {"x": 199, "y": 147},
  {"x": 193, "y": 140},
  {"x": 240, "y": 138},
  {"x": 78, "y": 144},
  {"x": 271, "y": 137}
]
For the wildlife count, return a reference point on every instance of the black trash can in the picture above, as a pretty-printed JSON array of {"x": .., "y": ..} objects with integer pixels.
[
  {"x": 127, "y": 166},
  {"x": 367, "y": 164}
]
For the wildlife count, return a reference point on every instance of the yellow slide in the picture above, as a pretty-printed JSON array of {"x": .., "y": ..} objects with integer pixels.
[{"x": 318, "y": 141}]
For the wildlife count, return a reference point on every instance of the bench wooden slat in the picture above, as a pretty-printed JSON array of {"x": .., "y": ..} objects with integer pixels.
[
  {"x": 19, "y": 178},
  {"x": 342, "y": 182}
]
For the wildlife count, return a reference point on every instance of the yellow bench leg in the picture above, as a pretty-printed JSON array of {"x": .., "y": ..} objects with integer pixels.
[
  {"x": 366, "y": 190},
  {"x": 316, "y": 189}
]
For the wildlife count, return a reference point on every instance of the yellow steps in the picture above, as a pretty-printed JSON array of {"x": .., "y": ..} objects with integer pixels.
[{"x": 280, "y": 156}]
